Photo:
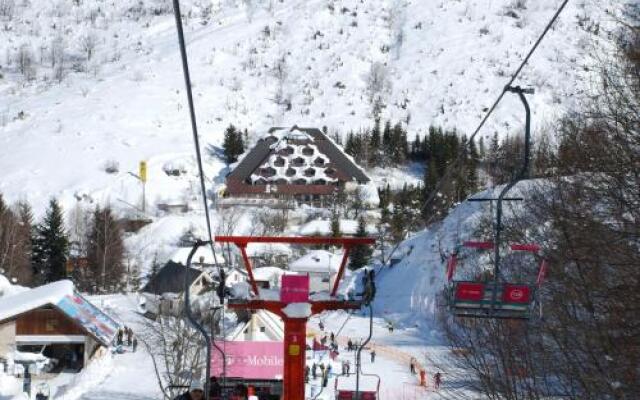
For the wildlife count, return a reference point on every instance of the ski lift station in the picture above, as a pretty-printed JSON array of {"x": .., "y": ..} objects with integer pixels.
[{"x": 53, "y": 326}]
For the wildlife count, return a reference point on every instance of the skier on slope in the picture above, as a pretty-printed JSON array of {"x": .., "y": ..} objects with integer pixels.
[{"x": 437, "y": 380}]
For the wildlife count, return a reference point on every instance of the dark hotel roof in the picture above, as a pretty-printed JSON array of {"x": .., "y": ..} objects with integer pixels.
[{"x": 262, "y": 150}]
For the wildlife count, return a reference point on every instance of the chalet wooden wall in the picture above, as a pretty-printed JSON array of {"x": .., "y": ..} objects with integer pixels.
[{"x": 46, "y": 322}]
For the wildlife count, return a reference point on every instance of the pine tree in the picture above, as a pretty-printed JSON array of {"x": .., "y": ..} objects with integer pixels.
[
  {"x": 360, "y": 254},
  {"x": 481, "y": 149},
  {"x": 50, "y": 246},
  {"x": 387, "y": 145},
  {"x": 233, "y": 144},
  {"x": 105, "y": 251},
  {"x": 397, "y": 226},
  {"x": 416, "y": 149},
  {"x": 374, "y": 144},
  {"x": 384, "y": 195},
  {"x": 399, "y": 144}
]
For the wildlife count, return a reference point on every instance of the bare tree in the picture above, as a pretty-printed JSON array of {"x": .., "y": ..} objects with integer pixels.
[
  {"x": 586, "y": 217},
  {"x": 25, "y": 62},
  {"x": 177, "y": 350},
  {"x": 7, "y": 8},
  {"x": 88, "y": 44},
  {"x": 228, "y": 224},
  {"x": 15, "y": 242}
]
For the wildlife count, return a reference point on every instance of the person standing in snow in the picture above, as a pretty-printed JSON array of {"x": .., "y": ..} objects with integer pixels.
[
  {"x": 120, "y": 334},
  {"x": 412, "y": 366},
  {"x": 314, "y": 370},
  {"x": 437, "y": 380},
  {"x": 196, "y": 392},
  {"x": 215, "y": 390},
  {"x": 325, "y": 377},
  {"x": 350, "y": 345},
  {"x": 373, "y": 356},
  {"x": 134, "y": 344},
  {"x": 306, "y": 374},
  {"x": 333, "y": 337},
  {"x": 321, "y": 325},
  {"x": 129, "y": 336}
]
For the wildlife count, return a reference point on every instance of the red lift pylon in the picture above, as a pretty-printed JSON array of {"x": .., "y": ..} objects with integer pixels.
[{"x": 295, "y": 329}]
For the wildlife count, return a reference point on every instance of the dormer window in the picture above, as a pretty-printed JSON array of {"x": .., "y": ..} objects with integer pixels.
[
  {"x": 307, "y": 151},
  {"x": 320, "y": 182},
  {"x": 300, "y": 181},
  {"x": 279, "y": 162},
  {"x": 268, "y": 172},
  {"x": 290, "y": 172},
  {"x": 319, "y": 161},
  {"x": 330, "y": 171},
  {"x": 298, "y": 162},
  {"x": 309, "y": 172}
]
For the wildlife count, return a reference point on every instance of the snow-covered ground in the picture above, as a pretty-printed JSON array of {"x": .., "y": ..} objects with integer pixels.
[
  {"x": 406, "y": 300},
  {"x": 434, "y": 62}
]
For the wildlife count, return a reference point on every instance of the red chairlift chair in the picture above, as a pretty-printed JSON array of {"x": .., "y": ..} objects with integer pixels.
[
  {"x": 492, "y": 298},
  {"x": 496, "y": 298}
]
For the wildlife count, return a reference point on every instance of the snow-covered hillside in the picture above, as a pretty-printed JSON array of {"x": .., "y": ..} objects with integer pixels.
[{"x": 87, "y": 83}]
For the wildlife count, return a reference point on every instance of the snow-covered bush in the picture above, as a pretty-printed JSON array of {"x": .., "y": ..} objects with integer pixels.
[{"x": 111, "y": 167}]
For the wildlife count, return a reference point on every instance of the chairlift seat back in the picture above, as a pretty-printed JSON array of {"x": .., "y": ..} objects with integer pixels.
[{"x": 491, "y": 300}]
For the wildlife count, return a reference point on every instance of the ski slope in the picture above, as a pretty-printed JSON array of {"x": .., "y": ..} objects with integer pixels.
[{"x": 259, "y": 64}]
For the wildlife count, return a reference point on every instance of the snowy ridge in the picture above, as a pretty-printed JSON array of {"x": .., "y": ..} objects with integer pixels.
[{"x": 315, "y": 63}]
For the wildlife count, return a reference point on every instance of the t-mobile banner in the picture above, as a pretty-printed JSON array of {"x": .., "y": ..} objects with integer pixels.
[
  {"x": 249, "y": 360},
  {"x": 295, "y": 289}
]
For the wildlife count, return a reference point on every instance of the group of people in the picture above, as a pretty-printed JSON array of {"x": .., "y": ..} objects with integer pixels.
[
  {"x": 196, "y": 391},
  {"x": 437, "y": 377},
  {"x": 132, "y": 341},
  {"x": 324, "y": 370}
]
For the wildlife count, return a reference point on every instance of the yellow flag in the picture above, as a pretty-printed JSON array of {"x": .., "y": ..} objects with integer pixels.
[{"x": 143, "y": 171}]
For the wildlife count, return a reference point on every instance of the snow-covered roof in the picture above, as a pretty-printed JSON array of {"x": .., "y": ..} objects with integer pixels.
[
  {"x": 204, "y": 253},
  {"x": 261, "y": 249},
  {"x": 317, "y": 261},
  {"x": 274, "y": 325},
  {"x": 61, "y": 294},
  {"x": 267, "y": 273},
  {"x": 323, "y": 227},
  {"x": 19, "y": 303},
  {"x": 7, "y": 288}
]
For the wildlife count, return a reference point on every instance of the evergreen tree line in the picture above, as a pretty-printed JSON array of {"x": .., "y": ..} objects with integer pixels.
[
  {"x": 376, "y": 147},
  {"x": 35, "y": 253}
]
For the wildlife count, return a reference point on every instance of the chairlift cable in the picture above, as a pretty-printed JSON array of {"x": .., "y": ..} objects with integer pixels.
[
  {"x": 455, "y": 165},
  {"x": 211, "y": 239}
]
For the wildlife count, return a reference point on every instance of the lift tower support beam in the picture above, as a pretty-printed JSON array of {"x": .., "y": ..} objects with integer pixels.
[{"x": 295, "y": 327}]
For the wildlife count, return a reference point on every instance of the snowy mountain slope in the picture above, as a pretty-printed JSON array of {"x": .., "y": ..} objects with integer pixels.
[
  {"x": 257, "y": 64},
  {"x": 421, "y": 270}
]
